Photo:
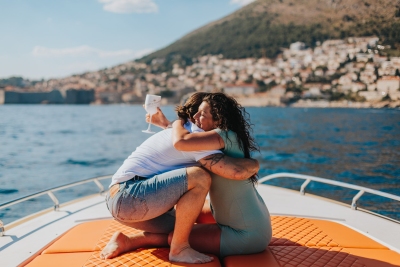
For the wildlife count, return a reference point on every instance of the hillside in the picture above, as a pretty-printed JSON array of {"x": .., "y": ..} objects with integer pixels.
[
  {"x": 264, "y": 26},
  {"x": 339, "y": 72}
]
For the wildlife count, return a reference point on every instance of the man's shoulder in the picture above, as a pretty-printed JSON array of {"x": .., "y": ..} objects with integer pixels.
[{"x": 192, "y": 128}]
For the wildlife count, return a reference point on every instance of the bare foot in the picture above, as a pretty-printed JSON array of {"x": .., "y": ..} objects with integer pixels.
[
  {"x": 189, "y": 255},
  {"x": 118, "y": 244}
]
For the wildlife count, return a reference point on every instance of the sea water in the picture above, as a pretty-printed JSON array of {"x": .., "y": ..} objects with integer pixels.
[{"x": 43, "y": 146}]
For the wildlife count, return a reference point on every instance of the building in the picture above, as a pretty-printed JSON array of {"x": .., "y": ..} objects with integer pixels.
[
  {"x": 357, "y": 86},
  {"x": 18, "y": 97},
  {"x": 388, "y": 84},
  {"x": 71, "y": 96},
  {"x": 276, "y": 95},
  {"x": 79, "y": 96},
  {"x": 372, "y": 95},
  {"x": 297, "y": 46},
  {"x": 240, "y": 89}
]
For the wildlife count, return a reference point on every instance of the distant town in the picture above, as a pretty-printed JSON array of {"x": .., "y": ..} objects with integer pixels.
[{"x": 353, "y": 72}]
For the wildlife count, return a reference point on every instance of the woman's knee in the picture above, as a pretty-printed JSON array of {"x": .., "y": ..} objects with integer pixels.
[{"x": 198, "y": 177}]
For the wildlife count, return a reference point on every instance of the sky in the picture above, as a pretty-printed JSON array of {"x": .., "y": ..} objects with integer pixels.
[{"x": 43, "y": 39}]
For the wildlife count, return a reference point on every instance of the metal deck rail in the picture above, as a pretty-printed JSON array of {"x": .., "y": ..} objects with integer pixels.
[
  {"x": 50, "y": 193},
  {"x": 361, "y": 190}
]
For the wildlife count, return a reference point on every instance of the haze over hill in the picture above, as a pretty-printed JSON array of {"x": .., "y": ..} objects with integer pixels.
[{"x": 264, "y": 26}]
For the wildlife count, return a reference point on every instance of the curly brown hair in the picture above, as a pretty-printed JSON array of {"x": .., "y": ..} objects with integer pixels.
[
  {"x": 191, "y": 106},
  {"x": 230, "y": 115}
]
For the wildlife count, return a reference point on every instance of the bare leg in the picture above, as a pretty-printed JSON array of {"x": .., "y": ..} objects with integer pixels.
[
  {"x": 205, "y": 238},
  {"x": 187, "y": 210},
  {"x": 205, "y": 215},
  {"x": 120, "y": 243}
]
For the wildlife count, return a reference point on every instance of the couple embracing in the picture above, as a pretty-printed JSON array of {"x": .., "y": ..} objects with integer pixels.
[{"x": 161, "y": 187}]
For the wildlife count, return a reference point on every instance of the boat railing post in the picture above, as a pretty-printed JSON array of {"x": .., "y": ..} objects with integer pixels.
[
  {"x": 99, "y": 185},
  {"x": 303, "y": 186},
  {"x": 1, "y": 228},
  {"x": 355, "y": 198},
  {"x": 55, "y": 200}
]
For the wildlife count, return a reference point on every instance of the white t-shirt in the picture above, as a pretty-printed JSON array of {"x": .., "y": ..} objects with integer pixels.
[{"x": 157, "y": 155}]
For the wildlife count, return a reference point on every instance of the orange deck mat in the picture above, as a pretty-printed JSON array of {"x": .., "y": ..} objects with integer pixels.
[
  {"x": 141, "y": 257},
  {"x": 333, "y": 257},
  {"x": 296, "y": 242},
  {"x": 300, "y": 256},
  {"x": 88, "y": 236},
  {"x": 81, "y": 238},
  {"x": 60, "y": 260},
  {"x": 82, "y": 244},
  {"x": 305, "y": 242},
  {"x": 262, "y": 259},
  {"x": 374, "y": 257},
  {"x": 293, "y": 231}
]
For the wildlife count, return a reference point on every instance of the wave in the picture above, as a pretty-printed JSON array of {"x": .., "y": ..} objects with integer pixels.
[
  {"x": 93, "y": 163},
  {"x": 66, "y": 132},
  {"x": 8, "y": 191}
]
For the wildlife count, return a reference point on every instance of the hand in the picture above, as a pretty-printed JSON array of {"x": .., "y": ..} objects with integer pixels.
[{"x": 158, "y": 119}]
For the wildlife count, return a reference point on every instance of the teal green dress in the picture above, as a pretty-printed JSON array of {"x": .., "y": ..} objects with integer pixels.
[{"x": 238, "y": 209}]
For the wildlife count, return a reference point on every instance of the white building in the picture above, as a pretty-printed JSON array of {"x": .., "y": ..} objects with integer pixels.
[
  {"x": 388, "y": 84},
  {"x": 297, "y": 46},
  {"x": 240, "y": 89},
  {"x": 372, "y": 95},
  {"x": 355, "y": 87},
  {"x": 277, "y": 91},
  {"x": 2, "y": 98},
  {"x": 312, "y": 92}
]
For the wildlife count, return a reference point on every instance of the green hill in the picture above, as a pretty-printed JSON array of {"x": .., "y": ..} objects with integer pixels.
[{"x": 263, "y": 27}]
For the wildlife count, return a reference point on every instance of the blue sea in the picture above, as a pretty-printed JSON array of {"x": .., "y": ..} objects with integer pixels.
[{"x": 43, "y": 146}]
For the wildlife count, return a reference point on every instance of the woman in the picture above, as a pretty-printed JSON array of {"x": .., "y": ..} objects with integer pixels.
[
  {"x": 152, "y": 180},
  {"x": 243, "y": 221}
]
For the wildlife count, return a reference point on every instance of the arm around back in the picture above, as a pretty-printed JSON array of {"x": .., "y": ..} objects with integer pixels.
[
  {"x": 220, "y": 164},
  {"x": 231, "y": 168}
]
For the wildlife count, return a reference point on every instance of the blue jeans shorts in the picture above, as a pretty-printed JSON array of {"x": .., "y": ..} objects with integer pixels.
[{"x": 148, "y": 203}]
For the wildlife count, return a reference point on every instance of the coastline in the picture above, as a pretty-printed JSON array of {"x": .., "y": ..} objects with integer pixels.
[
  {"x": 346, "y": 104},
  {"x": 260, "y": 100}
]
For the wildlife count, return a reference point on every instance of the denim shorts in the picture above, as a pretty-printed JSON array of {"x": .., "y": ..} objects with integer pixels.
[{"x": 148, "y": 203}]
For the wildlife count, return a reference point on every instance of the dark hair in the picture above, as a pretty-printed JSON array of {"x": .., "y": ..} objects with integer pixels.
[
  {"x": 191, "y": 106},
  {"x": 230, "y": 115}
]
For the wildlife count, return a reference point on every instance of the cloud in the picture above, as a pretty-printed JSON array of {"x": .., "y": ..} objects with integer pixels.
[
  {"x": 85, "y": 50},
  {"x": 241, "y": 2},
  {"x": 143, "y": 52},
  {"x": 82, "y": 66},
  {"x": 130, "y": 6},
  {"x": 61, "y": 62}
]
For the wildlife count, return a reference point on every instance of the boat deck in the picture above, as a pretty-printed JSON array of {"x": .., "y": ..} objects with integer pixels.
[{"x": 307, "y": 231}]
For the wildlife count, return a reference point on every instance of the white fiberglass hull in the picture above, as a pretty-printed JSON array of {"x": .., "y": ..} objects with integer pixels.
[{"x": 26, "y": 237}]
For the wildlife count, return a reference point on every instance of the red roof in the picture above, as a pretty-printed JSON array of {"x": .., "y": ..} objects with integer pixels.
[
  {"x": 389, "y": 78},
  {"x": 241, "y": 85}
]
